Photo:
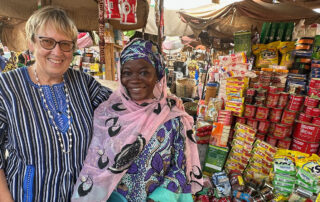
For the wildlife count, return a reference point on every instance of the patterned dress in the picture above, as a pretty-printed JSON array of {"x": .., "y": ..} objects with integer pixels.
[
  {"x": 160, "y": 164},
  {"x": 36, "y": 168}
]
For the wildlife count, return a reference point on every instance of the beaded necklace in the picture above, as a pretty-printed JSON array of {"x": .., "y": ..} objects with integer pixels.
[{"x": 51, "y": 116}]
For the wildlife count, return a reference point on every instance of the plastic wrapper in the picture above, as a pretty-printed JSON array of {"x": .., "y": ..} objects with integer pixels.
[
  {"x": 214, "y": 106},
  {"x": 221, "y": 181},
  {"x": 286, "y": 49},
  {"x": 267, "y": 54},
  {"x": 112, "y": 9},
  {"x": 128, "y": 11}
]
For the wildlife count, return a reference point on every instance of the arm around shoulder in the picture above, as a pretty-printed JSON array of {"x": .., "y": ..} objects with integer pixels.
[{"x": 5, "y": 195}]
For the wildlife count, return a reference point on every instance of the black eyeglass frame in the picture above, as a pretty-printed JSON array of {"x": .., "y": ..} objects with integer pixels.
[{"x": 55, "y": 43}]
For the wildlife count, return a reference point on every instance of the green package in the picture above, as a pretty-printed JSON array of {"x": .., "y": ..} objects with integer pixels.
[
  {"x": 281, "y": 31},
  {"x": 285, "y": 178},
  {"x": 289, "y": 30},
  {"x": 215, "y": 159},
  {"x": 316, "y": 48},
  {"x": 264, "y": 37},
  {"x": 273, "y": 32},
  {"x": 307, "y": 187},
  {"x": 283, "y": 184},
  {"x": 284, "y": 165},
  {"x": 242, "y": 42},
  {"x": 306, "y": 177}
]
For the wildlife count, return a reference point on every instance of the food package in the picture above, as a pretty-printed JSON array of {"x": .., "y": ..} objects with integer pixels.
[
  {"x": 286, "y": 49},
  {"x": 112, "y": 9},
  {"x": 266, "y": 54},
  {"x": 214, "y": 106},
  {"x": 128, "y": 11},
  {"x": 215, "y": 159},
  {"x": 220, "y": 135}
]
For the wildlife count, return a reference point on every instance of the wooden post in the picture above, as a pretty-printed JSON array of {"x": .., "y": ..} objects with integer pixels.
[{"x": 161, "y": 24}]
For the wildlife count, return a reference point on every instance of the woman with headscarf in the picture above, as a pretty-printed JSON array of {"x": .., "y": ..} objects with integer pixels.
[{"x": 143, "y": 146}]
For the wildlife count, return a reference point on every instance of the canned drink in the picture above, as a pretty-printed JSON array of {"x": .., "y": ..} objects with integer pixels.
[
  {"x": 252, "y": 123},
  {"x": 284, "y": 143},
  {"x": 275, "y": 115},
  {"x": 260, "y": 136},
  {"x": 316, "y": 121},
  {"x": 304, "y": 146},
  {"x": 288, "y": 117},
  {"x": 295, "y": 102},
  {"x": 306, "y": 132},
  {"x": 311, "y": 102},
  {"x": 272, "y": 140},
  {"x": 242, "y": 120},
  {"x": 272, "y": 100},
  {"x": 262, "y": 113},
  {"x": 250, "y": 111},
  {"x": 305, "y": 118},
  {"x": 283, "y": 100},
  {"x": 263, "y": 127},
  {"x": 280, "y": 131},
  {"x": 314, "y": 112}
]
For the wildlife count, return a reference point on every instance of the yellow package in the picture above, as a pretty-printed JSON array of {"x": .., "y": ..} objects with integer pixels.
[
  {"x": 266, "y": 54},
  {"x": 286, "y": 48},
  {"x": 311, "y": 164}
]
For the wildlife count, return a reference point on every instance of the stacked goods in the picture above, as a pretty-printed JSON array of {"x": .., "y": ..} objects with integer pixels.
[
  {"x": 286, "y": 49},
  {"x": 302, "y": 62},
  {"x": 276, "y": 32},
  {"x": 266, "y": 54},
  {"x": 296, "y": 83},
  {"x": 260, "y": 162},
  {"x": 240, "y": 153},
  {"x": 295, "y": 175},
  {"x": 221, "y": 129},
  {"x": 235, "y": 89},
  {"x": 315, "y": 63}
]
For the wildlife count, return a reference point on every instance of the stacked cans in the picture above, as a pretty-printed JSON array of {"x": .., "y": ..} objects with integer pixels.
[
  {"x": 273, "y": 115},
  {"x": 306, "y": 135}
]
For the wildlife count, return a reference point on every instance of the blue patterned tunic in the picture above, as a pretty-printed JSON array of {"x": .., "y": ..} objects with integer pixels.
[
  {"x": 160, "y": 164},
  {"x": 37, "y": 169}
]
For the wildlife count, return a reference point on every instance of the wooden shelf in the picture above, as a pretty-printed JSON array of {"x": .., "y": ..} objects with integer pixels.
[{"x": 118, "y": 46}]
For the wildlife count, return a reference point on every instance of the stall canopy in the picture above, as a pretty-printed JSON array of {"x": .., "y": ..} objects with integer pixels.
[
  {"x": 173, "y": 26},
  {"x": 14, "y": 13},
  {"x": 244, "y": 15}
]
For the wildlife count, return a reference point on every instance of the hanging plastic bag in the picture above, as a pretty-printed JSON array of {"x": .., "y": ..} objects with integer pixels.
[
  {"x": 128, "y": 11},
  {"x": 112, "y": 9}
]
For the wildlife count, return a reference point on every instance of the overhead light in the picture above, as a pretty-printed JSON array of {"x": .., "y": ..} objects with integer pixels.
[
  {"x": 316, "y": 10},
  {"x": 275, "y": 1}
]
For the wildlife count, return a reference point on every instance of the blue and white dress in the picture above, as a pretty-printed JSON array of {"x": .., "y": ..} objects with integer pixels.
[{"x": 36, "y": 168}]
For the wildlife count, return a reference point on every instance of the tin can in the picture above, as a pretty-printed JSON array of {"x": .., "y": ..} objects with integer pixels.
[
  {"x": 284, "y": 143},
  {"x": 262, "y": 113},
  {"x": 251, "y": 92},
  {"x": 262, "y": 93},
  {"x": 252, "y": 123},
  {"x": 280, "y": 131},
  {"x": 288, "y": 117},
  {"x": 272, "y": 127},
  {"x": 273, "y": 89},
  {"x": 314, "y": 112},
  {"x": 260, "y": 136},
  {"x": 242, "y": 120},
  {"x": 307, "y": 132},
  {"x": 283, "y": 99},
  {"x": 275, "y": 115},
  {"x": 305, "y": 118},
  {"x": 316, "y": 121},
  {"x": 260, "y": 101},
  {"x": 272, "y": 140},
  {"x": 311, "y": 102},
  {"x": 295, "y": 102},
  {"x": 250, "y": 111},
  {"x": 272, "y": 99},
  {"x": 263, "y": 127},
  {"x": 304, "y": 146}
]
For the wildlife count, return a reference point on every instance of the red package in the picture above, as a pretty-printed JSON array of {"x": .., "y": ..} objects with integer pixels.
[
  {"x": 128, "y": 11},
  {"x": 112, "y": 9}
]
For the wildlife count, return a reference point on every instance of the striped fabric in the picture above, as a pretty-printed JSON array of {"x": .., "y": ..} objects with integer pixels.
[{"x": 33, "y": 145}]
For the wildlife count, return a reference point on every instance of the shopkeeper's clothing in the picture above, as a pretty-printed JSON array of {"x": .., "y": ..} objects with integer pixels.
[
  {"x": 159, "y": 173},
  {"x": 36, "y": 168}
]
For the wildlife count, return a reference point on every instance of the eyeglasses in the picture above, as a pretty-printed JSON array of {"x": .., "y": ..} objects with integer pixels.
[{"x": 49, "y": 44}]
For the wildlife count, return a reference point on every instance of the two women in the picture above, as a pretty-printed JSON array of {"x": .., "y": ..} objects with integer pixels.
[{"x": 142, "y": 146}]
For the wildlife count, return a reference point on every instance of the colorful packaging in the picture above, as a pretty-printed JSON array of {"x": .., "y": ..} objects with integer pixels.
[
  {"x": 128, "y": 11},
  {"x": 286, "y": 48},
  {"x": 112, "y": 9},
  {"x": 267, "y": 54},
  {"x": 215, "y": 159}
]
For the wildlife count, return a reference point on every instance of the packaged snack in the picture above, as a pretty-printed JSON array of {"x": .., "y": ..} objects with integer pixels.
[
  {"x": 215, "y": 159},
  {"x": 213, "y": 108},
  {"x": 265, "y": 32},
  {"x": 284, "y": 165},
  {"x": 267, "y": 54},
  {"x": 128, "y": 11},
  {"x": 286, "y": 48},
  {"x": 306, "y": 177},
  {"x": 221, "y": 181},
  {"x": 112, "y": 9}
]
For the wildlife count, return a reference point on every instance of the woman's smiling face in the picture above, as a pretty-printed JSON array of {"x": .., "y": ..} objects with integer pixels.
[{"x": 139, "y": 78}]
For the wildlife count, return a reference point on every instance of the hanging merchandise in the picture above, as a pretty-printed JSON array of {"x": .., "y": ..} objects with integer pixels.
[
  {"x": 128, "y": 11},
  {"x": 112, "y": 9}
]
